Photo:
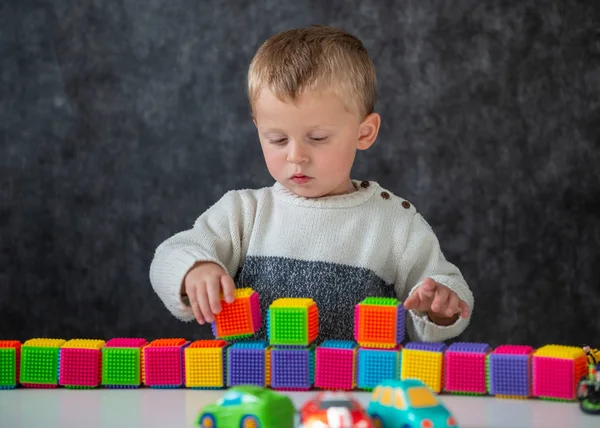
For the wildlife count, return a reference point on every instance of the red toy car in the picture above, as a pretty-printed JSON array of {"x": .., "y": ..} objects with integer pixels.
[{"x": 330, "y": 409}]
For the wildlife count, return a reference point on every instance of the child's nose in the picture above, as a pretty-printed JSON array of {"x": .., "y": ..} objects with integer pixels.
[{"x": 296, "y": 153}]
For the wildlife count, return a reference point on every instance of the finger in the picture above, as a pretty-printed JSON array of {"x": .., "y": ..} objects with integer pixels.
[
  {"x": 464, "y": 309},
  {"x": 228, "y": 288},
  {"x": 195, "y": 308},
  {"x": 452, "y": 306},
  {"x": 213, "y": 290},
  {"x": 413, "y": 301},
  {"x": 203, "y": 302},
  {"x": 441, "y": 299},
  {"x": 428, "y": 287}
]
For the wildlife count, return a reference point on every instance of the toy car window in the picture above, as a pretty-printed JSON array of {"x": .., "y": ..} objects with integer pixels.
[
  {"x": 326, "y": 404},
  {"x": 386, "y": 398},
  {"x": 231, "y": 398},
  {"x": 419, "y": 396},
  {"x": 377, "y": 394},
  {"x": 399, "y": 401},
  {"x": 249, "y": 399}
]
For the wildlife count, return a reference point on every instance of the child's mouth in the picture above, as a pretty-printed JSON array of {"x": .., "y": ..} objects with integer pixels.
[{"x": 300, "y": 178}]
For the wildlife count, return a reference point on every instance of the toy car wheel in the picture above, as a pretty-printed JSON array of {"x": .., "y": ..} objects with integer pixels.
[
  {"x": 377, "y": 421},
  {"x": 208, "y": 421},
  {"x": 250, "y": 421}
]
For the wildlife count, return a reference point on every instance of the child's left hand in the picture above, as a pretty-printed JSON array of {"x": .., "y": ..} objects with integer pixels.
[{"x": 441, "y": 304}]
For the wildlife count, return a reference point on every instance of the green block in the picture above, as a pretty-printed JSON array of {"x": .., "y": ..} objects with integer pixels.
[
  {"x": 288, "y": 326},
  {"x": 121, "y": 366},
  {"x": 381, "y": 301},
  {"x": 8, "y": 368},
  {"x": 39, "y": 365}
]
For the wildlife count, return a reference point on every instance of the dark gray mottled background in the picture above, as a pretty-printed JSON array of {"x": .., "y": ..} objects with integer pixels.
[{"x": 121, "y": 121}]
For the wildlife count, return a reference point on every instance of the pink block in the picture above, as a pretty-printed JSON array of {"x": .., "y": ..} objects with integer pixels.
[
  {"x": 256, "y": 313},
  {"x": 465, "y": 372},
  {"x": 514, "y": 350},
  {"x": 334, "y": 368},
  {"x": 164, "y": 365},
  {"x": 80, "y": 367},
  {"x": 556, "y": 377},
  {"x": 125, "y": 342}
]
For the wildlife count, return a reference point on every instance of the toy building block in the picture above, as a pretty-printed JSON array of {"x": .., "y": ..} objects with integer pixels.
[
  {"x": 424, "y": 361},
  {"x": 122, "y": 362},
  {"x": 240, "y": 318},
  {"x": 509, "y": 371},
  {"x": 248, "y": 363},
  {"x": 81, "y": 363},
  {"x": 40, "y": 363},
  {"x": 379, "y": 322},
  {"x": 164, "y": 363},
  {"x": 377, "y": 365},
  {"x": 465, "y": 368},
  {"x": 556, "y": 371},
  {"x": 205, "y": 364},
  {"x": 293, "y": 322},
  {"x": 335, "y": 365},
  {"x": 10, "y": 363},
  {"x": 292, "y": 369}
]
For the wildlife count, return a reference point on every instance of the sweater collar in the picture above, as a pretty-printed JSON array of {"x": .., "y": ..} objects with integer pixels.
[{"x": 364, "y": 191}]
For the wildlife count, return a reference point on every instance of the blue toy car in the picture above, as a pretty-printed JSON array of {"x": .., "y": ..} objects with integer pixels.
[{"x": 408, "y": 404}]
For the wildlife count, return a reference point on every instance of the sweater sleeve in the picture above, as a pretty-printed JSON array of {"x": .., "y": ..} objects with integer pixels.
[
  {"x": 422, "y": 258},
  {"x": 219, "y": 235}
]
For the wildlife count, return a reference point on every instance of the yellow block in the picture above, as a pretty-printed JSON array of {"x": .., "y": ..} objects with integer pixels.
[
  {"x": 268, "y": 366},
  {"x": 560, "y": 351},
  {"x": 293, "y": 302},
  {"x": 45, "y": 343},
  {"x": 204, "y": 367},
  {"x": 242, "y": 292},
  {"x": 423, "y": 365},
  {"x": 85, "y": 344}
]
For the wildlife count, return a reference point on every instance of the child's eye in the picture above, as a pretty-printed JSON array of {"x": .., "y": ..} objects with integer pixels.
[
  {"x": 318, "y": 138},
  {"x": 279, "y": 141}
]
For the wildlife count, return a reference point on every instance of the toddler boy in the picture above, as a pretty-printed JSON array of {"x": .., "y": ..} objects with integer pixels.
[{"x": 315, "y": 232}]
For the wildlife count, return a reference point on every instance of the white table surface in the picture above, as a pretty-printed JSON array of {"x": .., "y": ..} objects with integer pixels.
[{"x": 156, "y": 408}]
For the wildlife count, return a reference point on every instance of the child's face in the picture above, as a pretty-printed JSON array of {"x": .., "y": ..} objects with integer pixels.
[{"x": 309, "y": 146}]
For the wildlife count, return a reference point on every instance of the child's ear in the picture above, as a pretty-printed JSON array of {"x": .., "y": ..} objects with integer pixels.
[{"x": 368, "y": 130}]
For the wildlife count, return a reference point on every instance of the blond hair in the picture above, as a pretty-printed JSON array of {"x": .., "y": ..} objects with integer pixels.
[{"x": 315, "y": 58}]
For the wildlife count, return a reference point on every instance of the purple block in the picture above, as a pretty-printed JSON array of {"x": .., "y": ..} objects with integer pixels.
[
  {"x": 509, "y": 374},
  {"x": 246, "y": 363},
  {"x": 426, "y": 346},
  {"x": 291, "y": 368},
  {"x": 400, "y": 323},
  {"x": 471, "y": 347}
]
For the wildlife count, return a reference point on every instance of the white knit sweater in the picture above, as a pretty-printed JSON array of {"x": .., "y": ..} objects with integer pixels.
[{"x": 336, "y": 249}]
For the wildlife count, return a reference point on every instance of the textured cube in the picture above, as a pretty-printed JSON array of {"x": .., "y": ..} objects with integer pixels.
[
  {"x": 81, "y": 363},
  {"x": 465, "y": 368},
  {"x": 292, "y": 369},
  {"x": 293, "y": 321},
  {"x": 10, "y": 363},
  {"x": 205, "y": 364},
  {"x": 335, "y": 365},
  {"x": 248, "y": 363},
  {"x": 379, "y": 322},
  {"x": 40, "y": 363},
  {"x": 424, "y": 361},
  {"x": 164, "y": 363},
  {"x": 377, "y": 365},
  {"x": 556, "y": 371},
  {"x": 509, "y": 371},
  {"x": 122, "y": 362},
  {"x": 240, "y": 318}
]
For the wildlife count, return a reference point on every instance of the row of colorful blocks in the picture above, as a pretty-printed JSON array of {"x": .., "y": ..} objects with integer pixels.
[
  {"x": 513, "y": 371},
  {"x": 379, "y": 322}
]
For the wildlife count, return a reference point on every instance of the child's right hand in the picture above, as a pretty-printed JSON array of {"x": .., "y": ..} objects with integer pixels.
[{"x": 202, "y": 285}]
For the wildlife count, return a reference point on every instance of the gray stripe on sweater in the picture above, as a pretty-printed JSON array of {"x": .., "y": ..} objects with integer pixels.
[{"x": 336, "y": 289}]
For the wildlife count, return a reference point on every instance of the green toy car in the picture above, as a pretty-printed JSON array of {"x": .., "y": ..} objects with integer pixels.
[
  {"x": 408, "y": 404},
  {"x": 249, "y": 406}
]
